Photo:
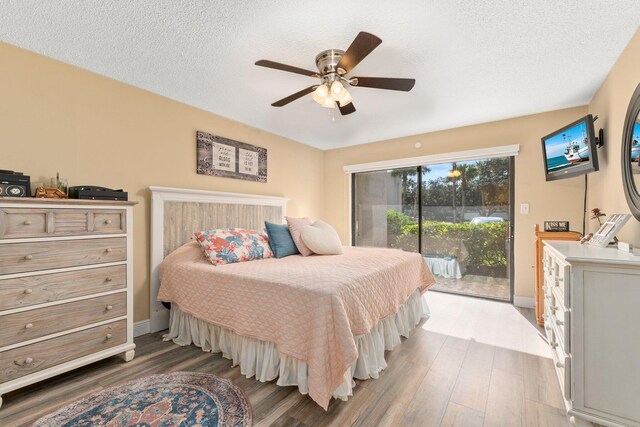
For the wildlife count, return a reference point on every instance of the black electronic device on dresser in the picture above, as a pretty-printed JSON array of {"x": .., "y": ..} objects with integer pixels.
[
  {"x": 93, "y": 192},
  {"x": 14, "y": 184}
]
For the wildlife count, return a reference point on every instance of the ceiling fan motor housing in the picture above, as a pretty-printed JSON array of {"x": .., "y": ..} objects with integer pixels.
[{"x": 327, "y": 63}]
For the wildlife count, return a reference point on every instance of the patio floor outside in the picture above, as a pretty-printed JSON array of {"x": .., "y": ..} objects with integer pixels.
[{"x": 469, "y": 284}]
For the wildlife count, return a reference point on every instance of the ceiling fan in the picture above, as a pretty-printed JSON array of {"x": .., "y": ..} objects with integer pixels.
[{"x": 333, "y": 67}]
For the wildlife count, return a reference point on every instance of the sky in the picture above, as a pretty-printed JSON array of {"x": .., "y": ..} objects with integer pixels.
[
  {"x": 440, "y": 170},
  {"x": 556, "y": 145}
]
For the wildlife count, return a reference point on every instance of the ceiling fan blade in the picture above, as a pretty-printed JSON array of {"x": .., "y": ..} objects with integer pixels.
[
  {"x": 389, "y": 83},
  {"x": 285, "y": 67},
  {"x": 347, "y": 109},
  {"x": 362, "y": 45},
  {"x": 290, "y": 98}
]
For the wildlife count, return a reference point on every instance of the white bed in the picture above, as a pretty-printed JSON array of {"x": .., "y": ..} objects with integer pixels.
[{"x": 350, "y": 308}]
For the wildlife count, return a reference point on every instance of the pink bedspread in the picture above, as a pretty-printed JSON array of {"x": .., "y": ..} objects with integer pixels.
[{"x": 310, "y": 307}]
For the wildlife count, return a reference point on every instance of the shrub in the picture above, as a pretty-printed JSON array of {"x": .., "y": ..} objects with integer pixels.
[
  {"x": 484, "y": 244},
  {"x": 396, "y": 222}
]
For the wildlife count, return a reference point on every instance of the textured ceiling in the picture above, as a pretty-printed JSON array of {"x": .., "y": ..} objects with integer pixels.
[{"x": 474, "y": 61}]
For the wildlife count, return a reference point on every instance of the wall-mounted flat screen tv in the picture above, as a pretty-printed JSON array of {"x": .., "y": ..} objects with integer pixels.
[{"x": 571, "y": 151}]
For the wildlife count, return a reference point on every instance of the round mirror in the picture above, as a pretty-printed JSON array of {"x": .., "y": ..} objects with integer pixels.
[{"x": 631, "y": 154}]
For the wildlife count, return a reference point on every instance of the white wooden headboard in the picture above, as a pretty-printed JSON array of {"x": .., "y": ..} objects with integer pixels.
[{"x": 176, "y": 213}]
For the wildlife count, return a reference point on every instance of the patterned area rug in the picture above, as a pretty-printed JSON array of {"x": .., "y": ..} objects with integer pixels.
[{"x": 173, "y": 399}]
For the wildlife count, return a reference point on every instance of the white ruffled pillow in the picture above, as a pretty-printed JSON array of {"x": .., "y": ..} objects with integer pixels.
[{"x": 321, "y": 238}]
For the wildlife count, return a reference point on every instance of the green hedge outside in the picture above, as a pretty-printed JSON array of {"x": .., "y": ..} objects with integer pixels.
[{"x": 485, "y": 243}]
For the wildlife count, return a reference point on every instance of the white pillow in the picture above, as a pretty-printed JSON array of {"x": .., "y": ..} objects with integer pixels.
[{"x": 321, "y": 238}]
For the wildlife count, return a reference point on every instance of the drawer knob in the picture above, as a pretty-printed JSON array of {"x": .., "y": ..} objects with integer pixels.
[
  {"x": 107, "y": 221},
  {"x": 28, "y": 291},
  {"x": 28, "y": 257},
  {"x": 27, "y": 222},
  {"x": 553, "y": 308},
  {"x": 108, "y": 250},
  {"x": 28, "y": 326},
  {"x": 109, "y": 336},
  {"x": 553, "y": 344},
  {"x": 109, "y": 279},
  {"x": 109, "y": 307},
  {"x": 560, "y": 364},
  {"x": 28, "y": 360},
  {"x": 559, "y": 322}
]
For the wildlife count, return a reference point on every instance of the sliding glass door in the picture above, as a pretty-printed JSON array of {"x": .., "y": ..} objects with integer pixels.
[
  {"x": 387, "y": 202},
  {"x": 466, "y": 225},
  {"x": 458, "y": 215}
]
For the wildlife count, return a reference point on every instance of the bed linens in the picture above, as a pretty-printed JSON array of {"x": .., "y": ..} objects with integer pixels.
[{"x": 310, "y": 307}]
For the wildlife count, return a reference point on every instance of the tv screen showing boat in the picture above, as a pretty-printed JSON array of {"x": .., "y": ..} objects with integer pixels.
[
  {"x": 635, "y": 147},
  {"x": 571, "y": 151}
]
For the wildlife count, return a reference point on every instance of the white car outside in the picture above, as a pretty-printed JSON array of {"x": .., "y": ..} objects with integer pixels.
[{"x": 485, "y": 219}]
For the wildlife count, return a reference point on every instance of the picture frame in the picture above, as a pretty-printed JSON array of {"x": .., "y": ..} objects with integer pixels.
[
  {"x": 607, "y": 231},
  {"x": 224, "y": 157}
]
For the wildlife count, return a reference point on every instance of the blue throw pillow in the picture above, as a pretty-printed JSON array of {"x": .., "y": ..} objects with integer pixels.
[{"x": 280, "y": 240}]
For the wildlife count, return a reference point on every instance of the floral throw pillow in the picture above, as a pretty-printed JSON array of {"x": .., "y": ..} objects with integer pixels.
[{"x": 233, "y": 245}]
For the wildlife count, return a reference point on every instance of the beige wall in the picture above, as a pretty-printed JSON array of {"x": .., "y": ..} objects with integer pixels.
[
  {"x": 561, "y": 200},
  {"x": 93, "y": 130},
  {"x": 610, "y": 103}
]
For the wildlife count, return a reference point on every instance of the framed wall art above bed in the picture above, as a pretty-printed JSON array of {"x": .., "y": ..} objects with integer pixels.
[{"x": 224, "y": 157}]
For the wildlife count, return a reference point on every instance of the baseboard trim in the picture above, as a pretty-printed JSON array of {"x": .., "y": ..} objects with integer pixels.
[
  {"x": 525, "y": 302},
  {"x": 141, "y": 328}
]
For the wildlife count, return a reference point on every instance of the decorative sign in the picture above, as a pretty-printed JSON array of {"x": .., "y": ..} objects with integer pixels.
[
  {"x": 556, "y": 226},
  {"x": 218, "y": 156}
]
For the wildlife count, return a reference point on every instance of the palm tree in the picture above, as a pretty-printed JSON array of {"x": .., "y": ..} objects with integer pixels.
[
  {"x": 409, "y": 193},
  {"x": 468, "y": 173}
]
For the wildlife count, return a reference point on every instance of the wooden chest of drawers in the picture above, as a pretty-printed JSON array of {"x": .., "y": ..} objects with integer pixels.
[
  {"x": 541, "y": 236},
  {"x": 66, "y": 279},
  {"x": 591, "y": 321}
]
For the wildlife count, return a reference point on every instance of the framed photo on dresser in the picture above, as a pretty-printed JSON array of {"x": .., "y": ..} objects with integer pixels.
[{"x": 607, "y": 231}]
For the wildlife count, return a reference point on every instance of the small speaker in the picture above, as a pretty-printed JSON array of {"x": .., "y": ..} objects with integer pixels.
[{"x": 13, "y": 190}]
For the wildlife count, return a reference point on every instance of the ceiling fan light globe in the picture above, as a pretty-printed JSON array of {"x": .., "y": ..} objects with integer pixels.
[
  {"x": 322, "y": 91},
  {"x": 329, "y": 102},
  {"x": 337, "y": 90},
  {"x": 346, "y": 99},
  {"x": 317, "y": 98}
]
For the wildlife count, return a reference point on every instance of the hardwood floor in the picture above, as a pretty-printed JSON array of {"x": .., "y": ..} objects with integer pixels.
[{"x": 473, "y": 363}]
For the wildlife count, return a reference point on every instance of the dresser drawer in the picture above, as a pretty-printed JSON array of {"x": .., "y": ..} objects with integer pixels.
[
  {"x": 31, "y": 290},
  {"x": 32, "y": 358},
  {"x": 108, "y": 221},
  {"x": 24, "y": 223},
  {"x": 561, "y": 319},
  {"x": 557, "y": 274},
  {"x": 27, "y": 325},
  {"x": 562, "y": 364},
  {"x": 36, "y": 256}
]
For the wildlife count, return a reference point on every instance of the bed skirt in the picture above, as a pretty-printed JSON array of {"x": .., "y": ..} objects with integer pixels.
[{"x": 262, "y": 359}]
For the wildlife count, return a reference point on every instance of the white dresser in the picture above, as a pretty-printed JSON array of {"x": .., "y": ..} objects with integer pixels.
[
  {"x": 66, "y": 281},
  {"x": 592, "y": 322}
]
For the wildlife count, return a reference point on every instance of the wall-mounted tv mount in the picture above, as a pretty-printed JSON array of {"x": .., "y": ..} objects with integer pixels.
[{"x": 600, "y": 137}]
